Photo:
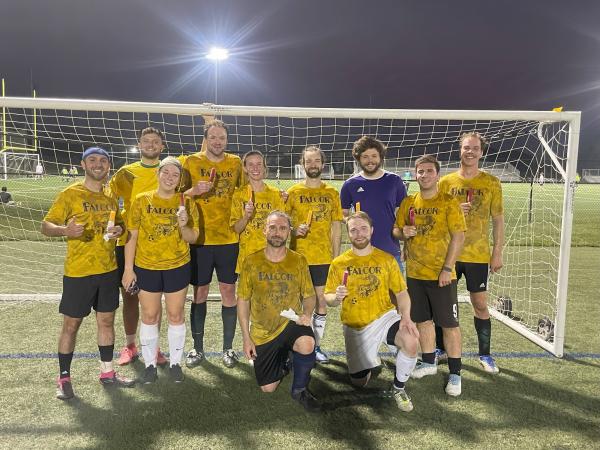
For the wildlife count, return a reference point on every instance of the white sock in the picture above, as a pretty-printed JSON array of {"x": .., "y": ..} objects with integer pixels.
[
  {"x": 176, "y": 335},
  {"x": 149, "y": 341},
  {"x": 318, "y": 324},
  {"x": 106, "y": 366},
  {"x": 130, "y": 338},
  {"x": 404, "y": 366}
]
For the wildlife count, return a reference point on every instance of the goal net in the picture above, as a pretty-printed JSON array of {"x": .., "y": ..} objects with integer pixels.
[
  {"x": 530, "y": 292},
  {"x": 15, "y": 165}
]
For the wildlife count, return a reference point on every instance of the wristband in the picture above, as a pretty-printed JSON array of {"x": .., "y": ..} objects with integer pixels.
[{"x": 447, "y": 269}]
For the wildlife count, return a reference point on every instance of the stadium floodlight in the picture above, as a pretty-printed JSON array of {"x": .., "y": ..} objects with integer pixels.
[
  {"x": 133, "y": 150},
  {"x": 216, "y": 55}
]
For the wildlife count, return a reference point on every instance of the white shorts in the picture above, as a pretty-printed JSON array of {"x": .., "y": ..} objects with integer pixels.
[{"x": 362, "y": 345}]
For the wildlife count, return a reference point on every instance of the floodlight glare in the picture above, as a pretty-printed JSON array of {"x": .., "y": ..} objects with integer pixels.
[
  {"x": 218, "y": 54},
  {"x": 133, "y": 150}
]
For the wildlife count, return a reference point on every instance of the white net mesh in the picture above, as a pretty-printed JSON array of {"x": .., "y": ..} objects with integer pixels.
[{"x": 520, "y": 150}]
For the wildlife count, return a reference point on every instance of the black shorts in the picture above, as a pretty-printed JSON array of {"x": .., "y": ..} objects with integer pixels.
[
  {"x": 318, "y": 274},
  {"x": 476, "y": 275},
  {"x": 170, "y": 280},
  {"x": 271, "y": 357},
  {"x": 120, "y": 256},
  {"x": 206, "y": 258},
  {"x": 429, "y": 301},
  {"x": 81, "y": 294}
]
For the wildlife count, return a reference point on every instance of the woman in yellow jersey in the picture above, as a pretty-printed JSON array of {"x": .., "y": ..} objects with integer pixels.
[{"x": 161, "y": 223}]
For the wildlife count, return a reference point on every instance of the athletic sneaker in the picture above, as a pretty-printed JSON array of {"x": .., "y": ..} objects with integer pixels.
[
  {"x": 150, "y": 376},
  {"x": 321, "y": 356},
  {"x": 176, "y": 374},
  {"x": 230, "y": 358},
  {"x": 128, "y": 354},
  {"x": 453, "y": 387},
  {"x": 440, "y": 355},
  {"x": 194, "y": 358},
  {"x": 161, "y": 359},
  {"x": 423, "y": 369},
  {"x": 488, "y": 364},
  {"x": 112, "y": 378},
  {"x": 307, "y": 400},
  {"x": 402, "y": 399},
  {"x": 64, "y": 389}
]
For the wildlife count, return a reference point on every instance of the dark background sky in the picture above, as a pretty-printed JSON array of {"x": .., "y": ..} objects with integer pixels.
[{"x": 461, "y": 54}]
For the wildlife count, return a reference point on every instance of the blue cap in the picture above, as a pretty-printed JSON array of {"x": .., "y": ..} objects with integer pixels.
[{"x": 94, "y": 151}]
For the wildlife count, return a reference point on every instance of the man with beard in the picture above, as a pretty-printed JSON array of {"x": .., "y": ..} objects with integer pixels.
[
  {"x": 129, "y": 181},
  {"x": 214, "y": 175},
  {"x": 361, "y": 280},
  {"x": 480, "y": 197},
  {"x": 268, "y": 337},
  {"x": 376, "y": 192},
  {"x": 82, "y": 213},
  {"x": 316, "y": 217}
]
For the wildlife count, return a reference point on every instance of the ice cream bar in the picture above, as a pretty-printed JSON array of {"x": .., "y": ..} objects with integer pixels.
[
  {"x": 213, "y": 173},
  {"x": 309, "y": 218},
  {"x": 411, "y": 216},
  {"x": 249, "y": 193},
  {"x": 357, "y": 207},
  {"x": 181, "y": 202},
  {"x": 111, "y": 223},
  {"x": 469, "y": 195},
  {"x": 345, "y": 279}
]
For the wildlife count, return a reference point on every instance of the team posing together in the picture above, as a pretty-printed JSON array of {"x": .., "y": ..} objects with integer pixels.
[{"x": 184, "y": 218}]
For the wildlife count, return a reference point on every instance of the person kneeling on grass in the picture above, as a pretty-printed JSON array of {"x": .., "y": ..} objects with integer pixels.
[
  {"x": 271, "y": 281},
  {"x": 361, "y": 280},
  {"x": 157, "y": 261},
  {"x": 83, "y": 214}
]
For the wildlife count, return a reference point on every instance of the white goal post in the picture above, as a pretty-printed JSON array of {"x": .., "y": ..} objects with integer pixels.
[{"x": 530, "y": 293}]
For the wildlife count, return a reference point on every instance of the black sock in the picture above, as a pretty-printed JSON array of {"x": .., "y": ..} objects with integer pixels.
[
  {"x": 229, "y": 316},
  {"x": 454, "y": 365},
  {"x": 197, "y": 319},
  {"x": 106, "y": 352},
  {"x": 428, "y": 358},
  {"x": 483, "y": 327},
  {"x": 439, "y": 338},
  {"x": 303, "y": 364},
  {"x": 64, "y": 364},
  {"x": 399, "y": 384}
]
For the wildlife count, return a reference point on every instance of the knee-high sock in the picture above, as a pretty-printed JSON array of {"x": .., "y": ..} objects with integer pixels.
[
  {"x": 318, "y": 324},
  {"x": 404, "y": 367},
  {"x": 176, "y": 336},
  {"x": 197, "y": 319},
  {"x": 149, "y": 341},
  {"x": 483, "y": 327},
  {"x": 303, "y": 364},
  {"x": 229, "y": 316},
  {"x": 439, "y": 338}
]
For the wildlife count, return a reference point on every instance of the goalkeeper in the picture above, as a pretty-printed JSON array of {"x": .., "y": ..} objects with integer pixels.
[{"x": 480, "y": 197}]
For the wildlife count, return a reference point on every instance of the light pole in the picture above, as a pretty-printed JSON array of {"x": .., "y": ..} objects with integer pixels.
[{"x": 217, "y": 54}]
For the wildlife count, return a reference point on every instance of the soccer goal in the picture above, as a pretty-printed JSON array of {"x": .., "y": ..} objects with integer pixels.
[{"x": 530, "y": 293}]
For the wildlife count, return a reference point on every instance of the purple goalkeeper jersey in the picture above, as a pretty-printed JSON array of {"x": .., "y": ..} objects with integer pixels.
[{"x": 379, "y": 199}]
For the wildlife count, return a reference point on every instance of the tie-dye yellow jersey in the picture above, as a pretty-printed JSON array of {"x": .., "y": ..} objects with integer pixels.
[
  {"x": 215, "y": 206},
  {"x": 88, "y": 254},
  {"x": 435, "y": 218},
  {"x": 160, "y": 245},
  {"x": 128, "y": 182},
  {"x": 253, "y": 238},
  {"x": 272, "y": 287},
  {"x": 322, "y": 207},
  {"x": 370, "y": 280},
  {"x": 486, "y": 192}
]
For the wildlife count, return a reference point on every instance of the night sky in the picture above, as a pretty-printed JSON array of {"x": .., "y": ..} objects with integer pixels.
[{"x": 530, "y": 55}]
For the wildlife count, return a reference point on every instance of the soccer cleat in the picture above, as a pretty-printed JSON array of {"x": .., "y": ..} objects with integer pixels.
[
  {"x": 402, "y": 399},
  {"x": 321, "y": 356},
  {"x": 307, "y": 400},
  {"x": 230, "y": 358},
  {"x": 194, "y": 359},
  {"x": 440, "y": 355},
  {"x": 423, "y": 369},
  {"x": 64, "y": 389},
  {"x": 112, "y": 378},
  {"x": 453, "y": 388},
  {"x": 176, "y": 374},
  {"x": 150, "y": 375},
  {"x": 161, "y": 359},
  {"x": 488, "y": 364},
  {"x": 128, "y": 354}
]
